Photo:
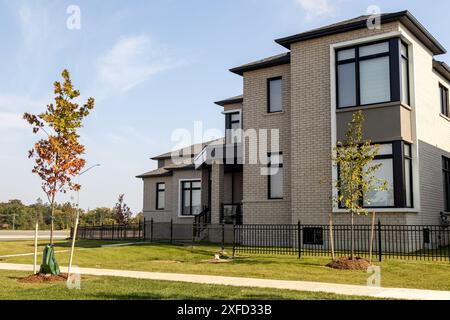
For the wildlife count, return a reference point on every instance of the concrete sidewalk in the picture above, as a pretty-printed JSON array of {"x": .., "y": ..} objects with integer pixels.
[{"x": 343, "y": 289}]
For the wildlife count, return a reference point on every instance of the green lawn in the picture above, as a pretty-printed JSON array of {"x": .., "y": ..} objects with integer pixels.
[
  {"x": 107, "y": 288},
  {"x": 185, "y": 259}
]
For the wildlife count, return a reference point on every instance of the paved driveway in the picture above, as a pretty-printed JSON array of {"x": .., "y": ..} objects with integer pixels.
[{"x": 29, "y": 235}]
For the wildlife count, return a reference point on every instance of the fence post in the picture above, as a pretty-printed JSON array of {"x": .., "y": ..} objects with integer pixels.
[
  {"x": 101, "y": 231},
  {"x": 193, "y": 234},
  {"x": 234, "y": 239},
  {"x": 380, "y": 253},
  {"x": 143, "y": 230},
  {"x": 151, "y": 230},
  {"x": 171, "y": 230},
  {"x": 299, "y": 240},
  {"x": 223, "y": 236}
]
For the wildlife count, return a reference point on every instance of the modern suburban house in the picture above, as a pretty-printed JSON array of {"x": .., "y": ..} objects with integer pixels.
[{"x": 309, "y": 93}]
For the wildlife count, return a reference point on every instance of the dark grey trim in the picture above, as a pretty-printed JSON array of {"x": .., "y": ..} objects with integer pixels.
[
  {"x": 158, "y": 191},
  {"x": 446, "y": 181},
  {"x": 268, "y": 94},
  {"x": 144, "y": 176},
  {"x": 232, "y": 100},
  {"x": 444, "y": 99},
  {"x": 394, "y": 70},
  {"x": 269, "y": 165},
  {"x": 190, "y": 188},
  {"x": 404, "y": 17},
  {"x": 265, "y": 63}
]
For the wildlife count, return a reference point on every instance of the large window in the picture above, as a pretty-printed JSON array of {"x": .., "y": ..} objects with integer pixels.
[
  {"x": 232, "y": 125},
  {"x": 383, "y": 198},
  {"x": 446, "y": 171},
  {"x": 396, "y": 169},
  {"x": 274, "y": 95},
  {"x": 275, "y": 175},
  {"x": 160, "y": 196},
  {"x": 190, "y": 197},
  {"x": 370, "y": 74},
  {"x": 445, "y": 109}
]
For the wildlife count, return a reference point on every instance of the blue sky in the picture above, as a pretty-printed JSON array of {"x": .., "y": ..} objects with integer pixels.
[{"x": 153, "y": 66}]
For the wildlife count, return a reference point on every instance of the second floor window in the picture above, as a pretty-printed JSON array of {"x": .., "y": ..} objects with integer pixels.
[
  {"x": 445, "y": 109},
  {"x": 274, "y": 95},
  {"x": 446, "y": 172},
  {"x": 276, "y": 179},
  {"x": 160, "y": 196},
  {"x": 373, "y": 73},
  {"x": 232, "y": 124}
]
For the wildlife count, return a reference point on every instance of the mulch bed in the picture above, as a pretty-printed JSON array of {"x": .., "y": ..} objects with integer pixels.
[
  {"x": 43, "y": 278},
  {"x": 346, "y": 263}
]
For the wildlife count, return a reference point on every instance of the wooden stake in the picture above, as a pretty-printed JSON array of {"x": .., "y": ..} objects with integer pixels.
[
  {"x": 35, "y": 247},
  {"x": 74, "y": 237},
  {"x": 372, "y": 233}
]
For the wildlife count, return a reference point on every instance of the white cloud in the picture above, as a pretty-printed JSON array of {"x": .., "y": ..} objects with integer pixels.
[
  {"x": 316, "y": 8},
  {"x": 18, "y": 103},
  {"x": 131, "y": 61},
  {"x": 9, "y": 121}
]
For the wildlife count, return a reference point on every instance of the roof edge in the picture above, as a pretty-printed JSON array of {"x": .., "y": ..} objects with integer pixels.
[
  {"x": 442, "y": 68},
  {"x": 282, "y": 59},
  {"x": 421, "y": 32},
  {"x": 233, "y": 100}
]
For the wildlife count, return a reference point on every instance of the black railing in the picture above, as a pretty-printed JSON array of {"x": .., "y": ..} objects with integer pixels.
[
  {"x": 383, "y": 241},
  {"x": 231, "y": 213},
  {"x": 203, "y": 217}
]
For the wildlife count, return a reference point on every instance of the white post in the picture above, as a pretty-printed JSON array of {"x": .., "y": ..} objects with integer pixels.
[
  {"x": 74, "y": 237},
  {"x": 35, "y": 247}
]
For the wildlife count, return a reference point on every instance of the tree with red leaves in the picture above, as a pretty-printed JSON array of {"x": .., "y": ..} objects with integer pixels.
[
  {"x": 58, "y": 155},
  {"x": 121, "y": 211}
]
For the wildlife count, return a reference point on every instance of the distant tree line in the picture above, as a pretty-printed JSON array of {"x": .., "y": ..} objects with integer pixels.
[{"x": 23, "y": 217}]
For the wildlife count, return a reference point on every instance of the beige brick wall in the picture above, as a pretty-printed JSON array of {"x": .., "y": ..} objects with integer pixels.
[
  {"x": 257, "y": 208},
  {"x": 311, "y": 124},
  {"x": 172, "y": 193}
]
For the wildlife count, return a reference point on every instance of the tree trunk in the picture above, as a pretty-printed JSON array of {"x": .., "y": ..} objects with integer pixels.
[
  {"x": 51, "y": 220},
  {"x": 352, "y": 256}
]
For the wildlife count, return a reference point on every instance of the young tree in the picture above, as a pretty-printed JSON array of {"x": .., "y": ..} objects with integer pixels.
[
  {"x": 58, "y": 155},
  {"x": 356, "y": 179},
  {"x": 121, "y": 211}
]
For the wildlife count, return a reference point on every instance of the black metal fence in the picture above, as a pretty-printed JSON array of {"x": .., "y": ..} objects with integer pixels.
[{"x": 384, "y": 241}]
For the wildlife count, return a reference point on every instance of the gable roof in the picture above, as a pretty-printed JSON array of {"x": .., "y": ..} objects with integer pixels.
[
  {"x": 272, "y": 61},
  {"x": 232, "y": 100},
  {"x": 360, "y": 22}
]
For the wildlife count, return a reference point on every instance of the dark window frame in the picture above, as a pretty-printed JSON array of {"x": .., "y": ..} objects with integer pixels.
[
  {"x": 313, "y": 236},
  {"x": 269, "y": 177},
  {"x": 444, "y": 99},
  {"x": 229, "y": 122},
  {"x": 269, "y": 80},
  {"x": 406, "y": 58},
  {"x": 399, "y": 177},
  {"x": 446, "y": 181},
  {"x": 190, "y": 189},
  {"x": 394, "y": 55},
  {"x": 158, "y": 191}
]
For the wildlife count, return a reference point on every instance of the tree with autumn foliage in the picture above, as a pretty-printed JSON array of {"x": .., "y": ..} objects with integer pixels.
[
  {"x": 357, "y": 178},
  {"x": 121, "y": 211},
  {"x": 58, "y": 154}
]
